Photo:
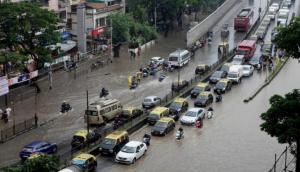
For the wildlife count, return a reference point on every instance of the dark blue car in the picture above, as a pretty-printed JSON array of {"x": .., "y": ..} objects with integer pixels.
[{"x": 38, "y": 146}]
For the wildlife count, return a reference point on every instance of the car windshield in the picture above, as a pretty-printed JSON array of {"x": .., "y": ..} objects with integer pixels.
[
  {"x": 254, "y": 59},
  {"x": 202, "y": 97},
  {"x": 147, "y": 100},
  {"x": 172, "y": 58},
  {"x": 225, "y": 68},
  {"x": 28, "y": 149},
  {"x": 232, "y": 75},
  {"x": 153, "y": 116},
  {"x": 217, "y": 74},
  {"x": 79, "y": 138},
  {"x": 238, "y": 60},
  {"x": 191, "y": 114},
  {"x": 240, "y": 52},
  {"x": 126, "y": 112},
  {"x": 197, "y": 88},
  {"x": 109, "y": 142},
  {"x": 221, "y": 85},
  {"x": 246, "y": 68},
  {"x": 175, "y": 105},
  {"x": 160, "y": 124},
  {"x": 128, "y": 149}
]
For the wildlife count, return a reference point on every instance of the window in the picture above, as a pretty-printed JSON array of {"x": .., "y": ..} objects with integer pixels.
[
  {"x": 102, "y": 112},
  {"x": 100, "y": 22},
  {"x": 106, "y": 110},
  {"x": 114, "y": 107}
]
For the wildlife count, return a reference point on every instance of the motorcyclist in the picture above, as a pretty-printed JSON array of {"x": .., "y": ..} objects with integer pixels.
[
  {"x": 104, "y": 92},
  {"x": 219, "y": 96},
  {"x": 4, "y": 116},
  {"x": 146, "y": 139},
  {"x": 210, "y": 112},
  {"x": 64, "y": 107},
  {"x": 180, "y": 130}
]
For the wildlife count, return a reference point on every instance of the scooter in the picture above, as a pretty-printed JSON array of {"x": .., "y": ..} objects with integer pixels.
[
  {"x": 104, "y": 93},
  {"x": 179, "y": 135},
  {"x": 209, "y": 114},
  {"x": 146, "y": 139},
  {"x": 65, "y": 107}
]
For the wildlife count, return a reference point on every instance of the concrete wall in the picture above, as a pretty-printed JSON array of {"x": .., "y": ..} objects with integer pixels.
[{"x": 201, "y": 29}]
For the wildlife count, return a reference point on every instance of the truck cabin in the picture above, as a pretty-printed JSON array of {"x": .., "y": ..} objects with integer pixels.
[{"x": 246, "y": 48}]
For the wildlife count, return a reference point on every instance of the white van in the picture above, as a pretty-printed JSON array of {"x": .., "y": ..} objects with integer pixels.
[
  {"x": 235, "y": 73},
  {"x": 179, "y": 58},
  {"x": 272, "y": 13},
  {"x": 103, "y": 110}
]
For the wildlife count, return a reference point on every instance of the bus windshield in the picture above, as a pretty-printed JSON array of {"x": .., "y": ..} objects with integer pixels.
[
  {"x": 91, "y": 113},
  {"x": 173, "y": 58}
]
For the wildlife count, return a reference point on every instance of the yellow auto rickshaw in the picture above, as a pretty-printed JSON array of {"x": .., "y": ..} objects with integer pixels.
[
  {"x": 132, "y": 82},
  {"x": 223, "y": 49},
  {"x": 139, "y": 76}
]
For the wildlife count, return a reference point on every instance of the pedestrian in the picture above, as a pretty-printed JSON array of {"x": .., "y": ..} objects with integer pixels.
[
  {"x": 139, "y": 52},
  {"x": 8, "y": 111}
]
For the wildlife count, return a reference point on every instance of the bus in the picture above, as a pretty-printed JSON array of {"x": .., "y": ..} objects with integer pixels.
[{"x": 179, "y": 58}]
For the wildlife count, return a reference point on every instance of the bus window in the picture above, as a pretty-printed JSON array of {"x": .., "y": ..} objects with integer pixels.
[
  {"x": 114, "y": 107},
  {"x": 107, "y": 110},
  {"x": 102, "y": 112}
]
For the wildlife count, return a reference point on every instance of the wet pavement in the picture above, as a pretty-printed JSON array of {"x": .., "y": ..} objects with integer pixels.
[{"x": 113, "y": 77}]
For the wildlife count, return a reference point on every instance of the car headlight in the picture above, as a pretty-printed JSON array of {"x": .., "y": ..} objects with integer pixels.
[
  {"x": 100, "y": 149},
  {"x": 111, "y": 151},
  {"x": 161, "y": 132}
]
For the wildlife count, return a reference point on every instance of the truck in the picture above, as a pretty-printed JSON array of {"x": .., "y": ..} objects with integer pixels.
[
  {"x": 246, "y": 48},
  {"x": 235, "y": 73},
  {"x": 242, "y": 22}
]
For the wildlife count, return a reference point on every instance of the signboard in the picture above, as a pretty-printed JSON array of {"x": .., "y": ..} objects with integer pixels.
[
  {"x": 97, "y": 31},
  {"x": 3, "y": 85},
  {"x": 22, "y": 78}
]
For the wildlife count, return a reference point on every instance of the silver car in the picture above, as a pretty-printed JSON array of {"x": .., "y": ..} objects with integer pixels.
[
  {"x": 151, "y": 101},
  {"x": 192, "y": 115}
]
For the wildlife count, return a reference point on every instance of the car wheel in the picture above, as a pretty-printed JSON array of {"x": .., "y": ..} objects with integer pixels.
[
  {"x": 145, "y": 152},
  {"x": 133, "y": 161}
]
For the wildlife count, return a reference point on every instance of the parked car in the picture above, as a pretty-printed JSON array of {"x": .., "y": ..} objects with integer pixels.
[
  {"x": 131, "y": 152},
  {"x": 216, "y": 76},
  {"x": 163, "y": 126},
  {"x": 131, "y": 112},
  {"x": 150, "y": 102},
  {"x": 201, "y": 86},
  {"x": 157, "y": 61},
  {"x": 37, "y": 146},
  {"x": 256, "y": 61},
  {"x": 204, "y": 99},
  {"x": 248, "y": 70},
  {"x": 82, "y": 137},
  {"x": 192, "y": 115},
  {"x": 178, "y": 106},
  {"x": 222, "y": 86},
  {"x": 201, "y": 69},
  {"x": 177, "y": 86},
  {"x": 113, "y": 142},
  {"x": 87, "y": 162},
  {"x": 238, "y": 60}
]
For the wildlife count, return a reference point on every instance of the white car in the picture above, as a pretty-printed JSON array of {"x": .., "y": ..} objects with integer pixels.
[
  {"x": 248, "y": 70},
  {"x": 157, "y": 60},
  {"x": 132, "y": 151},
  {"x": 192, "y": 115},
  {"x": 238, "y": 60},
  {"x": 275, "y": 5},
  {"x": 151, "y": 101}
]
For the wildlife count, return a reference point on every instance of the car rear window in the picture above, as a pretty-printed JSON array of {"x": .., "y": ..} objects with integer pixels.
[{"x": 147, "y": 100}]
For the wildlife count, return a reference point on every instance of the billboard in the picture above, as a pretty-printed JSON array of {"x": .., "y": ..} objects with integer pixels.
[{"x": 22, "y": 78}]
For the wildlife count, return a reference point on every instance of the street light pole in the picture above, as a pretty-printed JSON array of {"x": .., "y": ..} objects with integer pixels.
[
  {"x": 111, "y": 38},
  {"x": 155, "y": 15}
]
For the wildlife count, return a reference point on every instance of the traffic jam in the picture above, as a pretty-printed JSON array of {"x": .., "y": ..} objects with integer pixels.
[{"x": 190, "y": 109}]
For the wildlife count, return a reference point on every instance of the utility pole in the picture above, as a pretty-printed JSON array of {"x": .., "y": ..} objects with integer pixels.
[
  {"x": 111, "y": 39},
  {"x": 155, "y": 15},
  {"x": 87, "y": 108},
  {"x": 178, "y": 79}
]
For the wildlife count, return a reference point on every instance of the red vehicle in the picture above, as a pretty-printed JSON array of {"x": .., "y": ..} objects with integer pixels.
[
  {"x": 246, "y": 48},
  {"x": 242, "y": 22}
]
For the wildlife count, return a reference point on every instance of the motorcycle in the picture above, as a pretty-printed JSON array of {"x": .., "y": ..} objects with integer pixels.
[
  {"x": 209, "y": 114},
  {"x": 219, "y": 98},
  {"x": 179, "y": 135},
  {"x": 65, "y": 107},
  {"x": 104, "y": 93},
  {"x": 146, "y": 139}
]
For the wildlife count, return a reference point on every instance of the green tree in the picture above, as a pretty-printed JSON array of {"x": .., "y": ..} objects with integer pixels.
[
  {"x": 288, "y": 38},
  {"x": 42, "y": 163},
  {"x": 26, "y": 28},
  {"x": 282, "y": 120}
]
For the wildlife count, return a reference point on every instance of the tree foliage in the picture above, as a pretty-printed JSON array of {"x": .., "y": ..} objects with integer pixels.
[
  {"x": 43, "y": 163},
  {"x": 282, "y": 120},
  {"x": 26, "y": 28},
  {"x": 288, "y": 38}
]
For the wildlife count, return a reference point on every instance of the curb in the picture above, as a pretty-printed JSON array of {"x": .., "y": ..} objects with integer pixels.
[{"x": 265, "y": 83}]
